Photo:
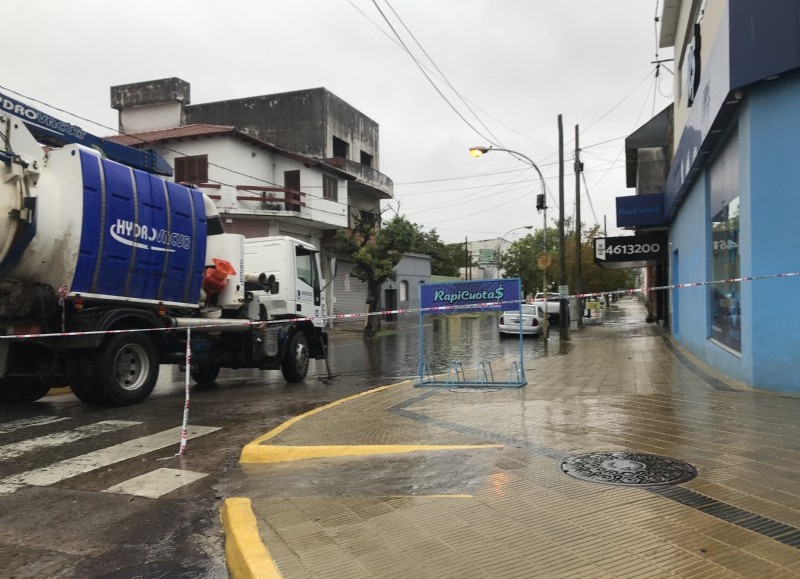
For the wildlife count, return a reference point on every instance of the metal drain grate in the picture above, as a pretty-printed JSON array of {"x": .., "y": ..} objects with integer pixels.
[{"x": 629, "y": 469}]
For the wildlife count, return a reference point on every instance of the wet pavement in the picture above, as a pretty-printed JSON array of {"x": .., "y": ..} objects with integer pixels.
[{"x": 403, "y": 481}]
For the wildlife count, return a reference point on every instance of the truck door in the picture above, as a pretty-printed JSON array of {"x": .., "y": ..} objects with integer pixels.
[{"x": 308, "y": 285}]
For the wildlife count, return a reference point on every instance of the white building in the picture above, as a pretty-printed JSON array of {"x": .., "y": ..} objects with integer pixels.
[{"x": 302, "y": 163}]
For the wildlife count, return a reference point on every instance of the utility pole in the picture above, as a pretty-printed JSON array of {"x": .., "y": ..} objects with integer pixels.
[
  {"x": 578, "y": 233},
  {"x": 467, "y": 261},
  {"x": 563, "y": 326}
]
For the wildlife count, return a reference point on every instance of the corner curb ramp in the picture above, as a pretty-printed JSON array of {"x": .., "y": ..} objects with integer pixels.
[{"x": 246, "y": 554}]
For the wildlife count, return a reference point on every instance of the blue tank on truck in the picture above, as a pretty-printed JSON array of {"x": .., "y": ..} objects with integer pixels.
[
  {"x": 105, "y": 266},
  {"x": 142, "y": 237}
]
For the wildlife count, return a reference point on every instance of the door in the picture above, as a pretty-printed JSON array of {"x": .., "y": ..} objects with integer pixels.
[{"x": 390, "y": 301}]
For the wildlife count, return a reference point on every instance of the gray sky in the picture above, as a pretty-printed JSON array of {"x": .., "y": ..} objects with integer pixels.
[{"x": 517, "y": 63}]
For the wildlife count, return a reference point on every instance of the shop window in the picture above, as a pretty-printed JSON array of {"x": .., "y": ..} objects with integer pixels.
[
  {"x": 725, "y": 297},
  {"x": 191, "y": 169}
]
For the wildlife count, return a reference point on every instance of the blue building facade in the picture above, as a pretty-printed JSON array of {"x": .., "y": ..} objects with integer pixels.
[{"x": 732, "y": 191}]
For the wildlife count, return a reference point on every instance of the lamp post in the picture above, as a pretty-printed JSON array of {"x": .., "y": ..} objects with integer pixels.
[
  {"x": 503, "y": 238},
  {"x": 479, "y": 152}
]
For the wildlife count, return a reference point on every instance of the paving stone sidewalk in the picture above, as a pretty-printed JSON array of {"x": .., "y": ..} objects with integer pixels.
[{"x": 495, "y": 502}]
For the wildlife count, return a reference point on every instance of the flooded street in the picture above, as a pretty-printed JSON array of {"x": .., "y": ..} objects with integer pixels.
[{"x": 395, "y": 353}]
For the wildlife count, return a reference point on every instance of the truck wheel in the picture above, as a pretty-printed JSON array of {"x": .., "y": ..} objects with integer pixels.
[
  {"x": 82, "y": 378},
  {"x": 127, "y": 369},
  {"x": 204, "y": 373},
  {"x": 22, "y": 390},
  {"x": 294, "y": 365}
]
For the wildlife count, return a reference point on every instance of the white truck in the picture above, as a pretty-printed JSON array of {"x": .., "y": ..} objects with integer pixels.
[
  {"x": 105, "y": 264},
  {"x": 553, "y": 306}
]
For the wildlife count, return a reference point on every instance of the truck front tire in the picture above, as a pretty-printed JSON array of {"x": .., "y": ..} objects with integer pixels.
[
  {"x": 294, "y": 365},
  {"x": 127, "y": 369}
]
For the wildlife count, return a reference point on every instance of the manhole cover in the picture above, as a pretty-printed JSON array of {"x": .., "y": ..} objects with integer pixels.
[{"x": 628, "y": 469}]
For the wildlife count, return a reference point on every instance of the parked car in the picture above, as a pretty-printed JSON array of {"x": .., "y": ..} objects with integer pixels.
[
  {"x": 530, "y": 322},
  {"x": 553, "y": 303}
]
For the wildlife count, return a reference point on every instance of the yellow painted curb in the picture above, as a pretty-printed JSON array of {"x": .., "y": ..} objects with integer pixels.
[
  {"x": 269, "y": 453},
  {"x": 246, "y": 555},
  {"x": 277, "y": 430},
  {"x": 257, "y": 452}
]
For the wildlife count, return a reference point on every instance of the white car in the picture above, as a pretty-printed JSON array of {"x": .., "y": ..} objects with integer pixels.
[
  {"x": 553, "y": 303},
  {"x": 530, "y": 322}
]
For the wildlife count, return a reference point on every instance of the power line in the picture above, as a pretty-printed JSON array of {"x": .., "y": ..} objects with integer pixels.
[
  {"x": 459, "y": 178},
  {"x": 496, "y": 141},
  {"x": 466, "y": 101},
  {"x": 426, "y": 75},
  {"x": 171, "y": 150}
]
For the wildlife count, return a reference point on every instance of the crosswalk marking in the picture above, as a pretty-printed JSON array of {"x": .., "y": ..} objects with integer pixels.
[
  {"x": 16, "y": 449},
  {"x": 90, "y": 461},
  {"x": 28, "y": 423},
  {"x": 156, "y": 483}
]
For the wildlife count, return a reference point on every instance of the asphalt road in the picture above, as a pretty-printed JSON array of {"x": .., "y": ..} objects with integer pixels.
[{"x": 102, "y": 492}]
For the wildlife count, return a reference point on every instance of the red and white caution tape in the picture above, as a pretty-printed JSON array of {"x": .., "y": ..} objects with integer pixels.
[
  {"x": 437, "y": 309},
  {"x": 185, "y": 427}
]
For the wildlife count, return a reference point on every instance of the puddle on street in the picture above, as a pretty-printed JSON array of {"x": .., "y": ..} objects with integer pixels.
[{"x": 468, "y": 340}]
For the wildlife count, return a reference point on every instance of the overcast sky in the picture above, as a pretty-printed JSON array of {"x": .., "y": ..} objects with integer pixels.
[{"x": 516, "y": 64}]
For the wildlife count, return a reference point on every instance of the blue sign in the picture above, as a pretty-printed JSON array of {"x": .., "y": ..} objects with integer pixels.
[
  {"x": 640, "y": 210},
  {"x": 470, "y": 296},
  {"x": 749, "y": 46}
]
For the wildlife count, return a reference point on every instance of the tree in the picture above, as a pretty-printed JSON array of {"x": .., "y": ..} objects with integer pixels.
[
  {"x": 445, "y": 258},
  {"x": 375, "y": 252},
  {"x": 522, "y": 260}
]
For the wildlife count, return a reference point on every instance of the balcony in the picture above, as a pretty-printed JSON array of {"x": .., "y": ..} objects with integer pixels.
[
  {"x": 368, "y": 180},
  {"x": 280, "y": 203},
  {"x": 271, "y": 198}
]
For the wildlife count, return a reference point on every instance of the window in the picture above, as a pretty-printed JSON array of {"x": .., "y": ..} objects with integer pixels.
[
  {"x": 330, "y": 188},
  {"x": 193, "y": 169},
  {"x": 366, "y": 159},
  {"x": 403, "y": 291},
  {"x": 725, "y": 298},
  {"x": 340, "y": 148}
]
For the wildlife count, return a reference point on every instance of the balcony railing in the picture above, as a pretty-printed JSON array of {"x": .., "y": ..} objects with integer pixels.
[{"x": 272, "y": 198}]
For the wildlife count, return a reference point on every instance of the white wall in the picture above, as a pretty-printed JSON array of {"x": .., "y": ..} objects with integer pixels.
[
  {"x": 233, "y": 163},
  {"x": 150, "y": 118}
]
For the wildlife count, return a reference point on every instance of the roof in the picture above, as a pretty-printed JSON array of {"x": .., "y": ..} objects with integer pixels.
[
  {"x": 153, "y": 138},
  {"x": 188, "y": 131}
]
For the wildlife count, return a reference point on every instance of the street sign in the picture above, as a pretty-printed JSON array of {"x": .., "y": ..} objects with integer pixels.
[{"x": 544, "y": 261}]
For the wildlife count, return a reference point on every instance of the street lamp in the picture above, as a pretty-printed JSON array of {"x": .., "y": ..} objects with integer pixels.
[
  {"x": 481, "y": 151},
  {"x": 513, "y": 230},
  {"x": 503, "y": 238}
]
